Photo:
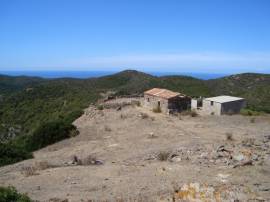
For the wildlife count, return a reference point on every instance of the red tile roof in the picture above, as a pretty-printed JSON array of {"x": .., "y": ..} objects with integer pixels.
[{"x": 163, "y": 93}]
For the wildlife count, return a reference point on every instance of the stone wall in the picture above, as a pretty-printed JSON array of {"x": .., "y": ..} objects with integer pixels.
[
  {"x": 211, "y": 108},
  {"x": 151, "y": 102}
]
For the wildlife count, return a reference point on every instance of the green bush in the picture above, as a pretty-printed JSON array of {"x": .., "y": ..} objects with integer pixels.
[
  {"x": 49, "y": 133},
  {"x": 69, "y": 118},
  {"x": 249, "y": 112},
  {"x": 10, "y": 154},
  {"x": 10, "y": 194},
  {"x": 100, "y": 107}
]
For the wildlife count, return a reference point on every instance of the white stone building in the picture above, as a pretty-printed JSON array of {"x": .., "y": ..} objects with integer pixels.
[{"x": 218, "y": 105}]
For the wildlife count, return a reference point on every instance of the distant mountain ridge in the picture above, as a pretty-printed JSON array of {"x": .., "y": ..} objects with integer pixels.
[
  {"x": 30, "y": 101},
  {"x": 35, "y": 112}
]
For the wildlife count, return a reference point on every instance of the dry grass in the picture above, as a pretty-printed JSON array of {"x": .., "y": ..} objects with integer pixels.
[
  {"x": 163, "y": 156},
  {"x": 229, "y": 136},
  {"x": 29, "y": 171},
  {"x": 42, "y": 165},
  {"x": 189, "y": 113},
  {"x": 107, "y": 128},
  {"x": 32, "y": 170},
  {"x": 100, "y": 107},
  {"x": 252, "y": 120},
  {"x": 123, "y": 116},
  {"x": 135, "y": 103},
  {"x": 144, "y": 115},
  {"x": 89, "y": 160}
]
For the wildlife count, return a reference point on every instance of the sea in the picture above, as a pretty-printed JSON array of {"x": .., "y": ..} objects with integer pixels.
[{"x": 91, "y": 74}]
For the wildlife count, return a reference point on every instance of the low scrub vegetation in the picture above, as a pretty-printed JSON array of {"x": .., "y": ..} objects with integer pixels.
[
  {"x": 157, "y": 109},
  {"x": 49, "y": 133},
  {"x": 100, "y": 107},
  {"x": 191, "y": 113},
  {"x": 29, "y": 171},
  {"x": 163, "y": 156},
  {"x": 21, "y": 147},
  {"x": 229, "y": 136},
  {"x": 10, "y": 194},
  {"x": 249, "y": 112},
  {"x": 10, "y": 154}
]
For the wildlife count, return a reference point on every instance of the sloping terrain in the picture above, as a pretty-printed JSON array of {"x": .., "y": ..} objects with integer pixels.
[
  {"x": 28, "y": 101},
  {"x": 135, "y": 154},
  {"x": 29, "y": 104}
]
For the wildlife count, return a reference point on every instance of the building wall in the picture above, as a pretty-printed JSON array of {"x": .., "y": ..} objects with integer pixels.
[
  {"x": 233, "y": 107},
  {"x": 151, "y": 102},
  {"x": 194, "y": 104},
  {"x": 211, "y": 108},
  {"x": 216, "y": 108},
  {"x": 166, "y": 105}
]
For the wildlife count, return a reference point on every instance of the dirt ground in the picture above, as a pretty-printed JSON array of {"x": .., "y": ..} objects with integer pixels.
[{"x": 138, "y": 155}]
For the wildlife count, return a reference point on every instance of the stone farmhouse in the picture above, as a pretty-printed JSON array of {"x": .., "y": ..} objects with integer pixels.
[
  {"x": 167, "y": 101},
  {"x": 218, "y": 105}
]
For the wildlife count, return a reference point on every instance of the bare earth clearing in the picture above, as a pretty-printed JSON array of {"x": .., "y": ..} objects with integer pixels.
[{"x": 148, "y": 156}]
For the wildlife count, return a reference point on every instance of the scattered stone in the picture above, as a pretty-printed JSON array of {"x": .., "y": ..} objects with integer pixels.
[
  {"x": 152, "y": 135},
  {"x": 118, "y": 108},
  {"x": 245, "y": 163},
  {"x": 239, "y": 157}
]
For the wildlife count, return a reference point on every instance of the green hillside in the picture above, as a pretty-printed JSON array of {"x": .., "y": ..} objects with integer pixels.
[
  {"x": 254, "y": 87},
  {"x": 31, "y": 107}
]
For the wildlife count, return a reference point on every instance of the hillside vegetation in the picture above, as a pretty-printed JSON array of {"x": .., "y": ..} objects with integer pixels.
[{"x": 30, "y": 105}]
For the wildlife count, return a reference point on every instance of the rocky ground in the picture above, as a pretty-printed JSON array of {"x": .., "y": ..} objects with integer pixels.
[{"x": 127, "y": 153}]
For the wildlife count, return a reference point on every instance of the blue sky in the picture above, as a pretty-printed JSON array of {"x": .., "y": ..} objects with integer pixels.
[{"x": 216, "y": 36}]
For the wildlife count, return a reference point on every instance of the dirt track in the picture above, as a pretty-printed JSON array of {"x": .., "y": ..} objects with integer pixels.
[{"x": 131, "y": 145}]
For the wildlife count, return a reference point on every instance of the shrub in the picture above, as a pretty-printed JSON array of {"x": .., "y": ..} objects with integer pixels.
[
  {"x": 229, "y": 136},
  {"x": 163, "y": 156},
  {"x": 100, "y": 107},
  {"x": 49, "y": 133},
  {"x": 10, "y": 194},
  {"x": 249, "y": 112},
  {"x": 193, "y": 114},
  {"x": 144, "y": 115},
  {"x": 29, "y": 171},
  {"x": 42, "y": 165},
  {"x": 123, "y": 116},
  {"x": 157, "y": 109},
  {"x": 10, "y": 154},
  {"x": 107, "y": 128},
  {"x": 73, "y": 116},
  {"x": 135, "y": 103}
]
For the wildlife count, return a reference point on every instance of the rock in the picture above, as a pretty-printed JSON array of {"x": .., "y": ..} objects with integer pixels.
[
  {"x": 98, "y": 162},
  {"x": 223, "y": 177},
  {"x": 176, "y": 159},
  {"x": 118, "y": 108},
  {"x": 245, "y": 163},
  {"x": 239, "y": 157}
]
